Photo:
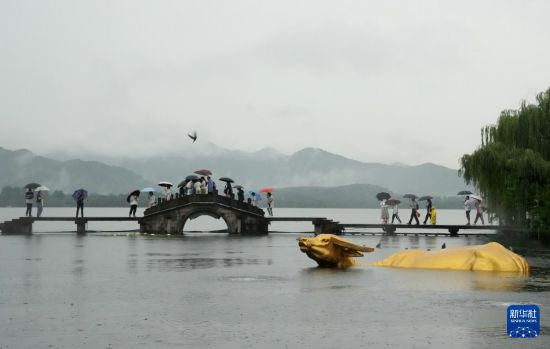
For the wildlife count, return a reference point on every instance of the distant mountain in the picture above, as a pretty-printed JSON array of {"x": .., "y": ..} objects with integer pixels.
[
  {"x": 264, "y": 168},
  {"x": 20, "y": 167},
  {"x": 307, "y": 167}
]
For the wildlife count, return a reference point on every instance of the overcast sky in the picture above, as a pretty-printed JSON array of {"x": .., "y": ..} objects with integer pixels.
[{"x": 377, "y": 81}]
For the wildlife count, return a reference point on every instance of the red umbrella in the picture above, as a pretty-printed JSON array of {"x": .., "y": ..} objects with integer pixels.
[{"x": 266, "y": 190}]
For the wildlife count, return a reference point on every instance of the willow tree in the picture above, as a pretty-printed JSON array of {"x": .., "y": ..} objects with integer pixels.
[{"x": 511, "y": 168}]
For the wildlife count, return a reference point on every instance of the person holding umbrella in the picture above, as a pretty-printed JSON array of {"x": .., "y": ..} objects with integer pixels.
[
  {"x": 29, "y": 196},
  {"x": 132, "y": 199},
  {"x": 240, "y": 193},
  {"x": 395, "y": 209},
  {"x": 414, "y": 210},
  {"x": 479, "y": 211},
  {"x": 384, "y": 213},
  {"x": 80, "y": 195},
  {"x": 39, "y": 203}
]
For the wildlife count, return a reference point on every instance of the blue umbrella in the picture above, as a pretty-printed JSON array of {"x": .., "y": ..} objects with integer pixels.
[
  {"x": 148, "y": 190},
  {"x": 257, "y": 194},
  {"x": 80, "y": 193}
]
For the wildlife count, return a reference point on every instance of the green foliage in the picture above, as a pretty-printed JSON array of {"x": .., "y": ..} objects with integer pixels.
[{"x": 512, "y": 166}]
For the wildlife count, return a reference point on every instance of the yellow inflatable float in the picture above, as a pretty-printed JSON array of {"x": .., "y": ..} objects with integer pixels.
[{"x": 332, "y": 251}]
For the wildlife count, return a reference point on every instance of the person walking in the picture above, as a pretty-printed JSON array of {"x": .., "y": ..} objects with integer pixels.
[
  {"x": 395, "y": 213},
  {"x": 240, "y": 194},
  {"x": 29, "y": 196},
  {"x": 428, "y": 210},
  {"x": 479, "y": 212},
  {"x": 270, "y": 203},
  {"x": 469, "y": 205},
  {"x": 80, "y": 204},
  {"x": 414, "y": 211},
  {"x": 133, "y": 200},
  {"x": 39, "y": 203},
  {"x": 384, "y": 214}
]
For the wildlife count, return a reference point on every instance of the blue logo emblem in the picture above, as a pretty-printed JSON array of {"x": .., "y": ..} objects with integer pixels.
[{"x": 523, "y": 321}]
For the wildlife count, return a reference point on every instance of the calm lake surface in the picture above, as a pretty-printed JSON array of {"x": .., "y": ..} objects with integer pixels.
[{"x": 210, "y": 290}]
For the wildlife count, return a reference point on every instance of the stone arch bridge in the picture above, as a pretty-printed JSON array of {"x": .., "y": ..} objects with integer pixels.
[{"x": 169, "y": 217}]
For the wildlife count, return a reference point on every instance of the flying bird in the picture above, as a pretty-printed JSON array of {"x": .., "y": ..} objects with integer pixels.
[{"x": 193, "y": 136}]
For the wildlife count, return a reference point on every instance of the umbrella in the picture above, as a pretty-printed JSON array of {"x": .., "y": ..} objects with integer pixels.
[
  {"x": 42, "y": 188},
  {"x": 204, "y": 172},
  {"x": 32, "y": 186},
  {"x": 165, "y": 184},
  {"x": 266, "y": 190},
  {"x": 133, "y": 192},
  {"x": 464, "y": 192},
  {"x": 256, "y": 194},
  {"x": 410, "y": 196},
  {"x": 80, "y": 193},
  {"x": 191, "y": 178},
  {"x": 425, "y": 197},
  {"x": 227, "y": 179},
  {"x": 472, "y": 196},
  {"x": 238, "y": 186},
  {"x": 148, "y": 190},
  {"x": 392, "y": 202},
  {"x": 383, "y": 196}
]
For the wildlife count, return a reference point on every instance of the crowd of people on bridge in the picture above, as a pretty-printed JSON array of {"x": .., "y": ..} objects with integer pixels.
[{"x": 471, "y": 203}]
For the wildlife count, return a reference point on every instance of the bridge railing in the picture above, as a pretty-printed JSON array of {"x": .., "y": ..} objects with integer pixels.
[{"x": 163, "y": 204}]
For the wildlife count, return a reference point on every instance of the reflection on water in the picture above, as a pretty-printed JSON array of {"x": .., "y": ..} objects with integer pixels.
[{"x": 174, "y": 264}]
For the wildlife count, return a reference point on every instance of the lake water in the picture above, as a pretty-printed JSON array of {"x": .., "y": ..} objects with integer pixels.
[{"x": 206, "y": 290}]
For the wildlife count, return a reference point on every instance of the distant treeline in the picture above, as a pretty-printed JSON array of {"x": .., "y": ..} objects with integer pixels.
[{"x": 349, "y": 196}]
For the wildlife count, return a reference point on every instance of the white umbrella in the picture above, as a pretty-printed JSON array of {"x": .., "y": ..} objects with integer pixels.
[
  {"x": 476, "y": 197},
  {"x": 42, "y": 188},
  {"x": 165, "y": 184}
]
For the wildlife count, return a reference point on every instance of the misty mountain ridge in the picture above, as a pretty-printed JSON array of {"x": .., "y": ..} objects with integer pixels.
[{"x": 266, "y": 167}]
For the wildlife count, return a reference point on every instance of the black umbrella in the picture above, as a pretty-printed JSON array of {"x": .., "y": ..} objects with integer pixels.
[
  {"x": 464, "y": 192},
  {"x": 227, "y": 179},
  {"x": 204, "y": 172},
  {"x": 32, "y": 186},
  {"x": 392, "y": 202},
  {"x": 238, "y": 186},
  {"x": 383, "y": 196},
  {"x": 135, "y": 192},
  {"x": 425, "y": 197},
  {"x": 191, "y": 178},
  {"x": 410, "y": 196},
  {"x": 80, "y": 194}
]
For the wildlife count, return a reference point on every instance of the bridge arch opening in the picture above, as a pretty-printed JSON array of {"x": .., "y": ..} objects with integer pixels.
[{"x": 204, "y": 221}]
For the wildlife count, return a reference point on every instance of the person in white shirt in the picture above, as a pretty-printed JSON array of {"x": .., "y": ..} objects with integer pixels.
[
  {"x": 133, "y": 205},
  {"x": 395, "y": 213}
]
